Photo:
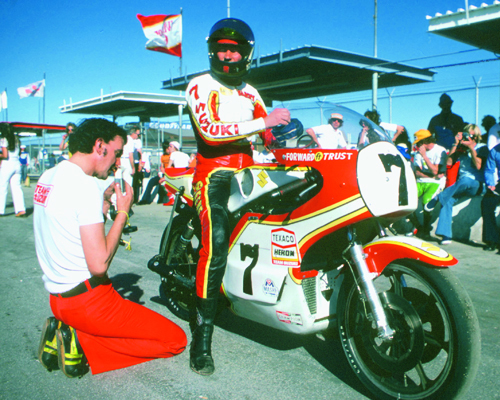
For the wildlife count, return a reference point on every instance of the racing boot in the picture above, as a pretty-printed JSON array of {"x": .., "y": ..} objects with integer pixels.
[
  {"x": 200, "y": 353},
  {"x": 47, "y": 350},
  {"x": 72, "y": 360}
]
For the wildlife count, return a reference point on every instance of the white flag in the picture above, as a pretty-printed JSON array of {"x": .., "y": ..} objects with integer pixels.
[
  {"x": 3, "y": 100},
  {"x": 164, "y": 33},
  {"x": 32, "y": 90}
]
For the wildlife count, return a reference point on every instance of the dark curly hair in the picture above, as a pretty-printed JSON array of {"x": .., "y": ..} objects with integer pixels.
[
  {"x": 403, "y": 138},
  {"x": 91, "y": 129},
  {"x": 7, "y": 132},
  {"x": 373, "y": 116}
]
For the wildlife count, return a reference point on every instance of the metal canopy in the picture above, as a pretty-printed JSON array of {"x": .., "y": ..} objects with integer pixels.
[
  {"x": 119, "y": 104},
  {"x": 312, "y": 71},
  {"x": 478, "y": 27}
]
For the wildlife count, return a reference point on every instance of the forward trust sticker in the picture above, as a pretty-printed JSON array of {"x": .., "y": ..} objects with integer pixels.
[{"x": 284, "y": 248}]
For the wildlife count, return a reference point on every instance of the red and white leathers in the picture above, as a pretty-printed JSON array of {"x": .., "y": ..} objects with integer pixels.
[{"x": 223, "y": 117}]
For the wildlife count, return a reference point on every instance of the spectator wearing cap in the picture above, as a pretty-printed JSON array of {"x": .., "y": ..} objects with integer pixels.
[
  {"x": 178, "y": 159},
  {"x": 24, "y": 159},
  {"x": 445, "y": 125},
  {"x": 429, "y": 163},
  {"x": 329, "y": 136}
]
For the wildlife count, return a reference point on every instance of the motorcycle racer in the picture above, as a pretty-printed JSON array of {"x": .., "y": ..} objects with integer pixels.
[{"x": 225, "y": 111}]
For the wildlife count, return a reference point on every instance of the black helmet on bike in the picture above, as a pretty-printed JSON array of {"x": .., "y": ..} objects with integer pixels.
[{"x": 226, "y": 33}]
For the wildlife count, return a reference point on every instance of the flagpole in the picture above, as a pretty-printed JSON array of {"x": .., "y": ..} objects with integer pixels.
[
  {"x": 44, "y": 89},
  {"x": 180, "y": 106},
  {"x": 43, "y": 130},
  {"x": 180, "y": 67},
  {"x": 6, "y": 108}
]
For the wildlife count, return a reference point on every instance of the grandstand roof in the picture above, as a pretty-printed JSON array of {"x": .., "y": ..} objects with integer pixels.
[
  {"x": 312, "y": 71},
  {"x": 118, "y": 104},
  {"x": 476, "y": 26},
  {"x": 308, "y": 71}
]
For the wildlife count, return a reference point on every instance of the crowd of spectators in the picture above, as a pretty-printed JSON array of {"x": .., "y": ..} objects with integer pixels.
[{"x": 454, "y": 161}]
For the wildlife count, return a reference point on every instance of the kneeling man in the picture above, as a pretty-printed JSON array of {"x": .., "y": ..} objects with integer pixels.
[{"x": 92, "y": 323}]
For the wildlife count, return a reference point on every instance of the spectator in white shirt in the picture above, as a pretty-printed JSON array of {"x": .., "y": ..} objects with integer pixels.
[{"x": 178, "y": 159}]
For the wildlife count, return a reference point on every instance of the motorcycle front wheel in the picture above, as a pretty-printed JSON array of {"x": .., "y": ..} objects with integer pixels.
[
  {"x": 435, "y": 350},
  {"x": 177, "y": 288}
]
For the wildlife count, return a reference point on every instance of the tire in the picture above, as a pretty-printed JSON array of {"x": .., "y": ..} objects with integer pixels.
[
  {"x": 177, "y": 288},
  {"x": 435, "y": 351}
]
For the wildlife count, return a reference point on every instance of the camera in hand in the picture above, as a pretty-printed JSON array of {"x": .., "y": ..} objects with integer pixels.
[{"x": 119, "y": 179}]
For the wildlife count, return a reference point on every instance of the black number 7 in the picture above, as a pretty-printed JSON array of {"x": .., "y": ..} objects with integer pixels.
[
  {"x": 388, "y": 160},
  {"x": 252, "y": 252}
]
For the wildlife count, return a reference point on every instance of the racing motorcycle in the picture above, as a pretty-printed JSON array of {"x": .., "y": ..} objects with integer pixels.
[{"x": 312, "y": 251}]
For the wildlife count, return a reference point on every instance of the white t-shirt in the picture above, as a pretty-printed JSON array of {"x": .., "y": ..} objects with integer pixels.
[
  {"x": 179, "y": 159},
  {"x": 14, "y": 154},
  {"x": 329, "y": 138},
  {"x": 146, "y": 159},
  {"x": 391, "y": 129},
  {"x": 437, "y": 156},
  {"x": 65, "y": 198},
  {"x": 131, "y": 146},
  {"x": 493, "y": 136}
]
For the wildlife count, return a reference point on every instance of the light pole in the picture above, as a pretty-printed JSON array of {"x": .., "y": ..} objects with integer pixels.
[{"x": 375, "y": 74}]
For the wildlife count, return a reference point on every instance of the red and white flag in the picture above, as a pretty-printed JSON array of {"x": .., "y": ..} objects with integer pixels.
[
  {"x": 32, "y": 90},
  {"x": 164, "y": 33}
]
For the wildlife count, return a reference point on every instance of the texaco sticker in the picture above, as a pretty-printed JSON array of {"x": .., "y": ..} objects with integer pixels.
[{"x": 284, "y": 248}]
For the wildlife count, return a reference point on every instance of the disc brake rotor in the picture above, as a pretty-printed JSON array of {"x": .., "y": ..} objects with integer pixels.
[{"x": 405, "y": 349}]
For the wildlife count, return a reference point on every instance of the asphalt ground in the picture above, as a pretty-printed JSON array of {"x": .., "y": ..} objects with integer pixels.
[{"x": 252, "y": 362}]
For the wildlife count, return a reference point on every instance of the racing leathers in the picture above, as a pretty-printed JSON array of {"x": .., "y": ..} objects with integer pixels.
[{"x": 223, "y": 117}]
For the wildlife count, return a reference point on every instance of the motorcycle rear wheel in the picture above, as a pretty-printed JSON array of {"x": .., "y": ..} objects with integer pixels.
[
  {"x": 436, "y": 347},
  {"x": 178, "y": 297}
]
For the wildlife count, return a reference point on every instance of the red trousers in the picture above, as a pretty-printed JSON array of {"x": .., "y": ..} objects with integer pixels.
[{"x": 117, "y": 333}]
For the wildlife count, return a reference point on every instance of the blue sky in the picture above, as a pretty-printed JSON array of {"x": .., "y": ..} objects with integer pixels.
[{"x": 84, "y": 47}]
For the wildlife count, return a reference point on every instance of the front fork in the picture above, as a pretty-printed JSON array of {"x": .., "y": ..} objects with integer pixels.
[{"x": 355, "y": 250}]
